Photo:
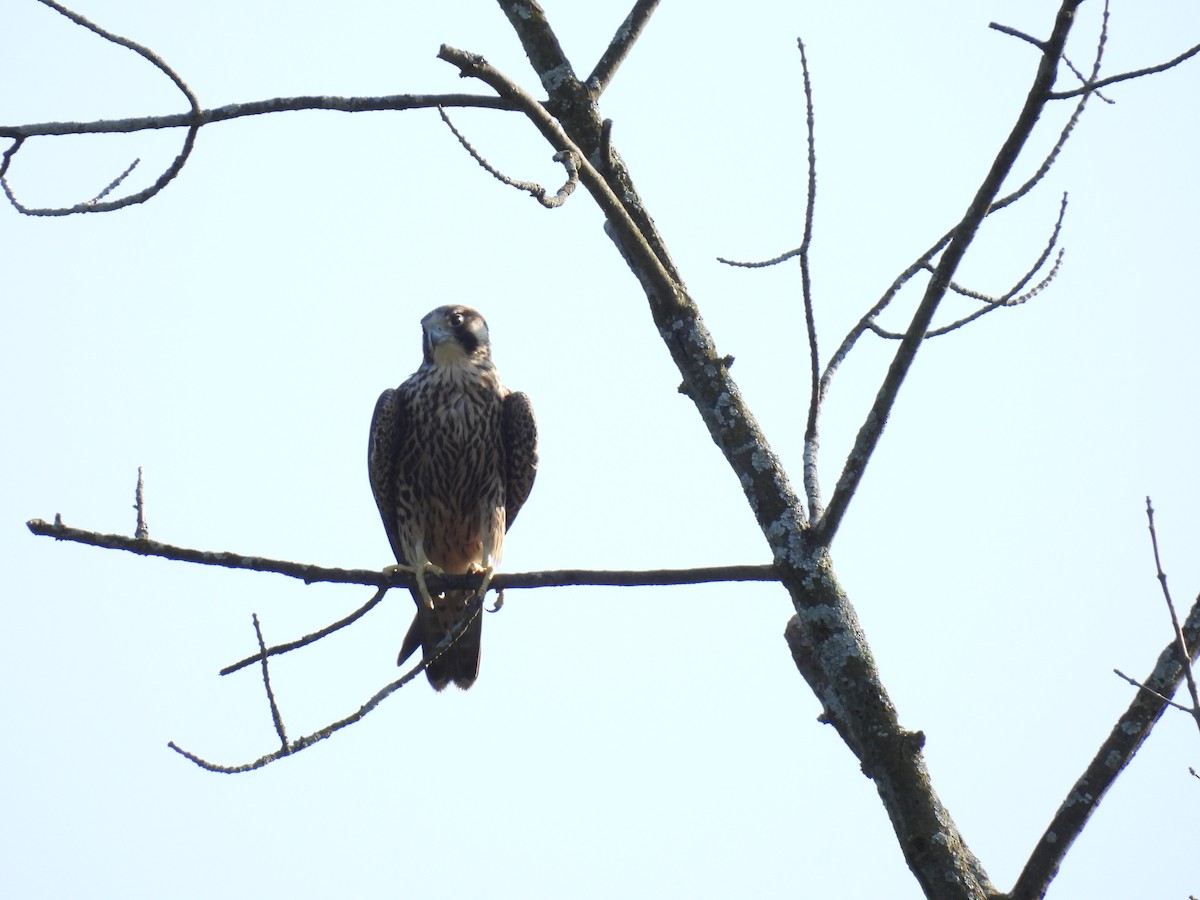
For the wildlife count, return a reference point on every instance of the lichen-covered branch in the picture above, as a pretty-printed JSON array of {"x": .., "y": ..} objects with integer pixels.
[
  {"x": 1125, "y": 739},
  {"x": 620, "y": 45}
]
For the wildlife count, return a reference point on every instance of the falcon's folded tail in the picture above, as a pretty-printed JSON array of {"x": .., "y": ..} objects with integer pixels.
[{"x": 460, "y": 661}]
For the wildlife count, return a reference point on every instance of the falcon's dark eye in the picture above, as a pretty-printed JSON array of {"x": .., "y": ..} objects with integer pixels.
[{"x": 456, "y": 319}]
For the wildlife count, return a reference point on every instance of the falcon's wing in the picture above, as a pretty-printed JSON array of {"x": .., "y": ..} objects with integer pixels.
[
  {"x": 518, "y": 430},
  {"x": 387, "y": 428}
]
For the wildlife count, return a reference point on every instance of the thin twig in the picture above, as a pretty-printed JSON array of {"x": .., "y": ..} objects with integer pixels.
[
  {"x": 924, "y": 261},
  {"x": 115, "y": 183},
  {"x": 172, "y": 170},
  {"x": 619, "y": 47},
  {"x": 311, "y": 574},
  {"x": 964, "y": 233},
  {"x": 566, "y": 157},
  {"x": 1012, "y": 32},
  {"x": 812, "y": 484},
  {"x": 1181, "y": 644},
  {"x": 312, "y": 638},
  {"x": 1092, "y": 86},
  {"x": 1152, "y": 692},
  {"x": 141, "y": 530},
  {"x": 291, "y": 749},
  {"x": 761, "y": 264},
  {"x": 276, "y": 718}
]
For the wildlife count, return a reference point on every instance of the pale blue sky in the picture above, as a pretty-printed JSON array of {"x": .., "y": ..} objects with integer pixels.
[{"x": 231, "y": 336}]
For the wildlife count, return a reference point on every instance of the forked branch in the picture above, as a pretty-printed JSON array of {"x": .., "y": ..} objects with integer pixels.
[{"x": 290, "y": 748}]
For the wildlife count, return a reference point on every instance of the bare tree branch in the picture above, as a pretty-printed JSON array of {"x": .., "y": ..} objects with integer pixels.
[
  {"x": 566, "y": 157},
  {"x": 812, "y": 484},
  {"x": 276, "y": 718},
  {"x": 312, "y": 574},
  {"x": 389, "y": 102},
  {"x": 1153, "y": 693},
  {"x": 852, "y": 691},
  {"x": 1092, "y": 85},
  {"x": 311, "y": 638},
  {"x": 1181, "y": 642},
  {"x": 541, "y": 46},
  {"x": 1125, "y": 739},
  {"x": 161, "y": 182},
  {"x": 1007, "y": 300},
  {"x": 621, "y": 44},
  {"x": 294, "y": 747},
  {"x": 963, "y": 235}
]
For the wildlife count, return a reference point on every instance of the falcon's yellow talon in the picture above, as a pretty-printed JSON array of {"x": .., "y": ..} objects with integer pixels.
[{"x": 419, "y": 572}]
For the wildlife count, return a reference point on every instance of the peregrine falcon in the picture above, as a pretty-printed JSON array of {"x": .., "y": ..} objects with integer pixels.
[{"x": 452, "y": 456}]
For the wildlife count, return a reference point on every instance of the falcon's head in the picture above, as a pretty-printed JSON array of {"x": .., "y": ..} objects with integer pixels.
[{"x": 454, "y": 335}]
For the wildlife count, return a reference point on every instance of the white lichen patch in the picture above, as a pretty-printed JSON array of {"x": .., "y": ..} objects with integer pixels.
[{"x": 553, "y": 79}]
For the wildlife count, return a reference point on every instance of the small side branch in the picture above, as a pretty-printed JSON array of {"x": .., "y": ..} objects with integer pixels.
[
  {"x": 141, "y": 530},
  {"x": 294, "y": 747},
  {"x": 1092, "y": 85},
  {"x": 1181, "y": 643},
  {"x": 312, "y": 638},
  {"x": 812, "y": 486},
  {"x": 1125, "y": 739},
  {"x": 566, "y": 157},
  {"x": 276, "y": 718}
]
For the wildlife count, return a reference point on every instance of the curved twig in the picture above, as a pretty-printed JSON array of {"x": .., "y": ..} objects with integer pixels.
[
  {"x": 566, "y": 157},
  {"x": 172, "y": 170},
  {"x": 1010, "y": 298}
]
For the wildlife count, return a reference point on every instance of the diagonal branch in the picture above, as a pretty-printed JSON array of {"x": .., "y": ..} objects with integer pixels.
[
  {"x": 311, "y": 638},
  {"x": 1125, "y": 739},
  {"x": 621, "y": 44},
  {"x": 706, "y": 377},
  {"x": 963, "y": 235},
  {"x": 541, "y": 45},
  {"x": 924, "y": 261}
]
